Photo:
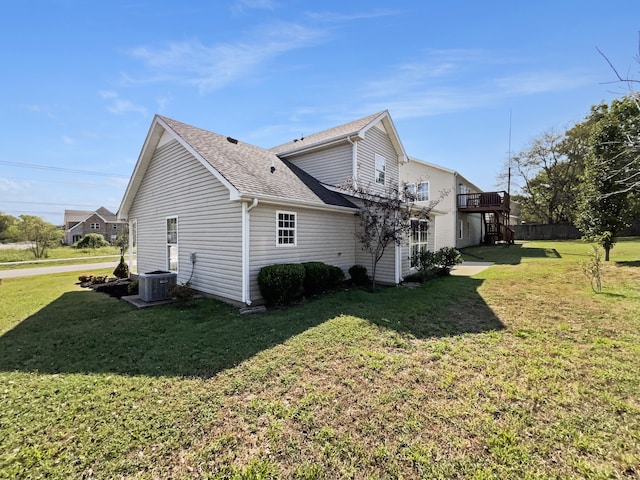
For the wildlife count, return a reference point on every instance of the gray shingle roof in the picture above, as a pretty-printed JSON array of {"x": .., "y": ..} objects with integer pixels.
[
  {"x": 335, "y": 133},
  {"x": 248, "y": 168}
]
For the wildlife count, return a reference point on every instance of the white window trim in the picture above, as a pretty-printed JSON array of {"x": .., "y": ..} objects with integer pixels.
[
  {"x": 384, "y": 169},
  {"x": 418, "y": 192},
  {"x": 295, "y": 229},
  {"x": 177, "y": 244}
]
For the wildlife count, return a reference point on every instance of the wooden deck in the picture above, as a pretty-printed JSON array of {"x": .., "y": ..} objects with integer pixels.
[{"x": 484, "y": 202}]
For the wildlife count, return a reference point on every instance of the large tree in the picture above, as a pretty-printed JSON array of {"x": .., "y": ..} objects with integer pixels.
[
  {"x": 42, "y": 235},
  {"x": 6, "y": 222},
  {"x": 606, "y": 205},
  {"x": 544, "y": 176}
]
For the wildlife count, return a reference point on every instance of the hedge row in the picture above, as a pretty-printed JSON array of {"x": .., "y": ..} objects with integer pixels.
[{"x": 284, "y": 283}]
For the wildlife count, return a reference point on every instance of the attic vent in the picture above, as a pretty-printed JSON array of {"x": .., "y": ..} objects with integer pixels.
[{"x": 232, "y": 140}]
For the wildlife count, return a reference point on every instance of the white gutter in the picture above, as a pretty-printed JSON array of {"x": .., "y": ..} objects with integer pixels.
[{"x": 246, "y": 274}]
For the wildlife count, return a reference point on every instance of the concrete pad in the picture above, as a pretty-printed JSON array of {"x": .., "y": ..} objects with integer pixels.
[
  {"x": 467, "y": 269},
  {"x": 136, "y": 301}
]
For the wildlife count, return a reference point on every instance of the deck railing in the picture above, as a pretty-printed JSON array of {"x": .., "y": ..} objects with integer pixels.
[{"x": 483, "y": 201}]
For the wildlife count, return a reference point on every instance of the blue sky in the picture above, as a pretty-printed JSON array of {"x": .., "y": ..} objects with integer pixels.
[{"x": 82, "y": 80}]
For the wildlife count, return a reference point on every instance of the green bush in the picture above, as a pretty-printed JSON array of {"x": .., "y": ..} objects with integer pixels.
[
  {"x": 320, "y": 277},
  {"x": 430, "y": 264},
  {"x": 132, "y": 288},
  {"x": 448, "y": 257},
  {"x": 122, "y": 270},
  {"x": 183, "y": 293},
  {"x": 358, "y": 274},
  {"x": 91, "y": 240},
  {"x": 281, "y": 284}
]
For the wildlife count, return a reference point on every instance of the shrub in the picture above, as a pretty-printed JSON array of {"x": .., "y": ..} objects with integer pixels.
[
  {"x": 122, "y": 270},
  {"x": 183, "y": 293},
  {"x": 281, "y": 284},
  {"x": 358, "y": 274},
  {"x": 91, "y": 240},
  {"x": 425, "y": 260},
  {"x": 320, "y": 277},
  {"x": 132, "y": 288},
  {"x": 97, "y": 279},
  {"x": 448, "y": 257},
  {"x": 85, "y": 277}
]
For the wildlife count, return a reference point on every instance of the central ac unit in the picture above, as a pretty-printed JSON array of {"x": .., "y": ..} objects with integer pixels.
[{"x": 155, "y": 286}]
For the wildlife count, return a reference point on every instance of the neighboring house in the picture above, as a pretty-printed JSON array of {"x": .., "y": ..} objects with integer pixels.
[
  {"x": 216, "y": 210},
  {"x": 78, "y": 223},
  {"x": 466, "y": 215}
]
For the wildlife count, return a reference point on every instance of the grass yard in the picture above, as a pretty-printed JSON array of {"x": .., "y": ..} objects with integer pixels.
[
  {"x": 55, "y": 256},
  {"x": 519, "y": 372}
]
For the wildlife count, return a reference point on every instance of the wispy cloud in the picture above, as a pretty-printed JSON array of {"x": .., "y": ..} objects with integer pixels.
[
  {"x": 333, "y": 17},
  {"x": 120, "y": 106},
  {"x": 444, "y": 81},
  {"x": 241, "y": 6},
  {"x": 68, "y": 140},
  {"x": 209, "y": 67}
]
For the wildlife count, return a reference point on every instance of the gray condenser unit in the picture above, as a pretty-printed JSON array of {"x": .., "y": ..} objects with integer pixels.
[{"x": 154, "y": 286}]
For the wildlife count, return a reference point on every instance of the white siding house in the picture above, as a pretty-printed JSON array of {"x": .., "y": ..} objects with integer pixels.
[{"x": 234, "y": 207}]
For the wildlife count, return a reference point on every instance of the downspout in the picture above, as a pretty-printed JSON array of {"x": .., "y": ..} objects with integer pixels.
[
  {"x": 246, "y": 225},
  {"x": 354, "y": 161}
]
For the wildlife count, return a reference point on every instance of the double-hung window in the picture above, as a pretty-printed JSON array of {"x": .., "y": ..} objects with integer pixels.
[
  {"x": 410, "y": 192},
  {"x": 380, "y": 169},
  {"x": 422, "y": 194},
  {"x": 172, "y": 244},
  {"x": 286, "y": 229},
  {"x": 419, "y": 239}
]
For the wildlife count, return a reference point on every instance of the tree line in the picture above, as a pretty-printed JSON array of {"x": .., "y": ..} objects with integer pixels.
[{"x": 588, "y": 175}]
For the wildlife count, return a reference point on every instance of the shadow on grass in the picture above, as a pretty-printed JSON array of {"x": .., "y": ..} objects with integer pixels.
[
  {"x": 88, "y": 332},
  {"x": 629, "y": 263},
  {"x": 507, "y": 254}
]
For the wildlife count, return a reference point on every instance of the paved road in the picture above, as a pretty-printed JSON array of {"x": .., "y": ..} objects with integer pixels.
[{"x": 27, "y": 272}]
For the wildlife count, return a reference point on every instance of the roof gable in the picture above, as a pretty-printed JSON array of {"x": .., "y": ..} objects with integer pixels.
[
  {"x": 246, "y": 170},
  {"x": 355, "y": 130}
]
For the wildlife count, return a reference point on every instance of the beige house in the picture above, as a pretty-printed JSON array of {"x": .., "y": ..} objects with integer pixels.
[
  {"x": 465, "y": 214},
  {"x": 216, "y": 210}
]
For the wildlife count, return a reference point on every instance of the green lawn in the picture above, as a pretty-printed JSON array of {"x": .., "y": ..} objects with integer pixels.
[
  {"x": 519, "y": 372},
  {"x": 55, "y": 256}
]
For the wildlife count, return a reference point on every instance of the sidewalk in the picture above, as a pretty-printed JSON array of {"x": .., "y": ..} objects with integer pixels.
[
  {"x": 470, "y": 268},
  {"x": 28, "y": 272}
]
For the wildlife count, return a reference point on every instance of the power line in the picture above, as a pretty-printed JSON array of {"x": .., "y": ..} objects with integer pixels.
[{"x": 61, "y": 169}]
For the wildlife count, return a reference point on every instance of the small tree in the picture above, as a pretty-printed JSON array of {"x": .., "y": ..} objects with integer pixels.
[
  {"x": 42, "y": 235},
  {"x": 385, "y": 219}
]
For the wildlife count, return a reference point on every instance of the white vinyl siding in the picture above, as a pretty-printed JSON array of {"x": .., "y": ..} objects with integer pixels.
[
  {"x": 321, "y": 236},
  {"x": 378, "y": 142},
  {"x": 176, "y": 184},
  {"x": 332, "y": 165}
]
